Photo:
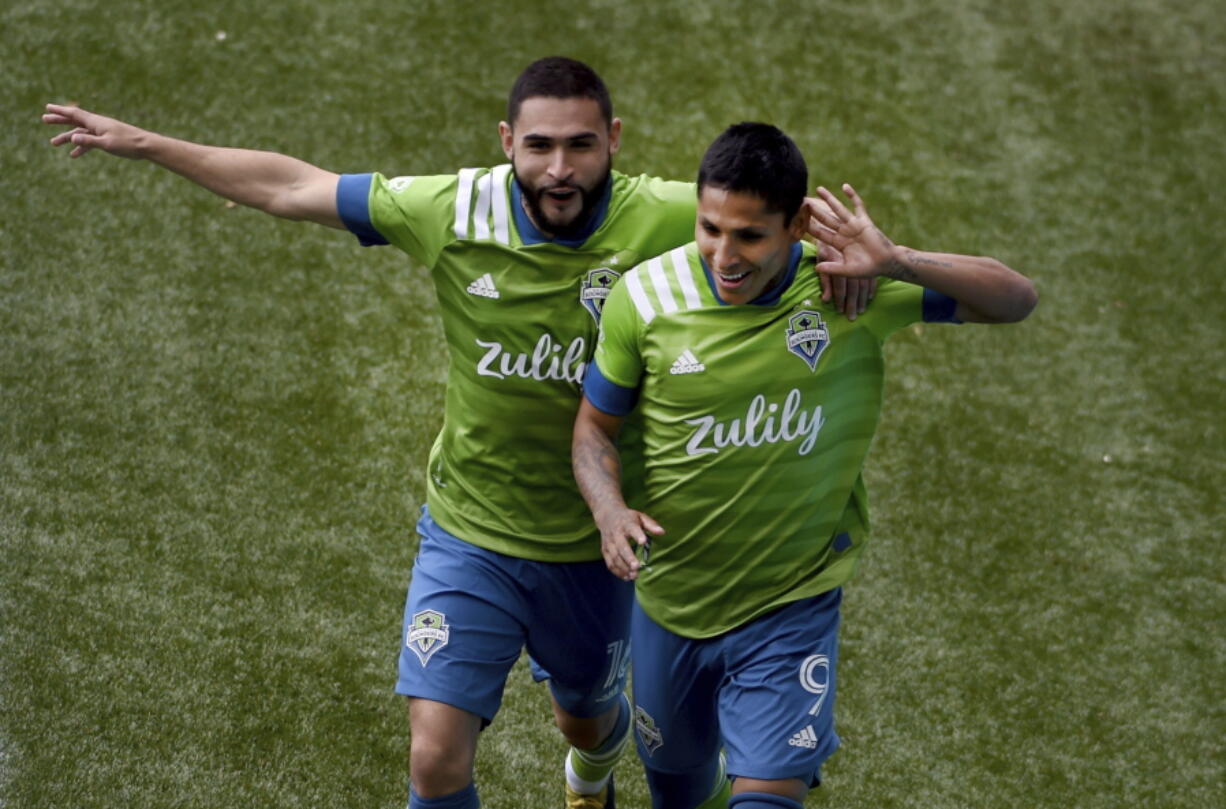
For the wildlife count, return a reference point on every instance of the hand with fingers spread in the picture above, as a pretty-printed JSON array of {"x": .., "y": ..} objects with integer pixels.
[
  {"x": 863, "y": 250},
  {"x": 850, "y": 295},
  {"x": 92, "y": 131},
  {"x": 624, "y": 533}
]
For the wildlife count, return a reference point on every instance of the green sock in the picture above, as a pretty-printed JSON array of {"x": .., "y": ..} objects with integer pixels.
[
  {"x": 723, "y": 789},
  {"x": 587, "y": 771}
]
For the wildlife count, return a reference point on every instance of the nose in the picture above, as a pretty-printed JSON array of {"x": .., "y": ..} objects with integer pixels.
[
  {"x": 559, "y": 165},
  {"x": 725, "y": 255}
]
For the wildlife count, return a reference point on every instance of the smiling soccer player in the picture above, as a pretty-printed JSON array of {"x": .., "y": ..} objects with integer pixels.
[{"x": 758, "y": 408}]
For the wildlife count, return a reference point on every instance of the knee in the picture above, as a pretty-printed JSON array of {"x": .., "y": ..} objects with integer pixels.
[
  {"x": 442, "y": 746},
  {"x": 584, "y": 732},
  {"x": 438, "y": 766}
]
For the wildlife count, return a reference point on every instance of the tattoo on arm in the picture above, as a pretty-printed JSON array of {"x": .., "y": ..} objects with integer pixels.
[
  {"x": 902, "y": 272},
  {"x": 598, "y": 470},
  {"x": 897, "y": 270}
]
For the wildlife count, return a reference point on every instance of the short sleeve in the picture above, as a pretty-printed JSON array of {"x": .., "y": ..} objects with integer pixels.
[
  {"x": 414, "y": 214},
  {"x": 613, "y": 380},
  {"x": 898, "y": 304}
]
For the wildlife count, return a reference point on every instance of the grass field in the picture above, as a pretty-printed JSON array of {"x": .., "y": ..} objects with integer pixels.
[{"x": 213, "y": 425}]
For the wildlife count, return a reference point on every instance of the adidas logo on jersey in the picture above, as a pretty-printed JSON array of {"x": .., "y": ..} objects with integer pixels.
[
  {"x": 805, "y": 738},
  {"x": 687, "y": 363},
  {"x": 484, "y": 286}
]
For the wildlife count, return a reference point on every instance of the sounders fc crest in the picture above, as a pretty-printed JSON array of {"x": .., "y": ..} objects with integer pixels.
[
  {"x": 427, "y": 634},
  {"x": 807, "y": 336},
  {"x": 649, "y": 734},
  {"x": 596, "y": 287}
]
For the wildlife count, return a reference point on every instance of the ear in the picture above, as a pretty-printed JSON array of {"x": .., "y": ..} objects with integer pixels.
[
  {"x": 799, "y": 225},
  {"x": 615, "y": 135},
  {"x": 507, "y": 137}
]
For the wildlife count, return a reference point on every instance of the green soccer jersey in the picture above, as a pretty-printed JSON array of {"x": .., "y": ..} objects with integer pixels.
[
  {"x": 520, "y": 315},
  {"x": 756, "y": 422}
]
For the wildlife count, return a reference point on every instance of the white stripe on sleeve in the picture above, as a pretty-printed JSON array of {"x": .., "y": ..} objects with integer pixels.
[
  {"x": 481, "y": 214},
  {"x": 634, "y": 285},
  {"x": 681, "y": 268},
  {"x": 463, "y": 200},
  {"x": 502, "y": 206},
  {"x": 655, "y": 268}
]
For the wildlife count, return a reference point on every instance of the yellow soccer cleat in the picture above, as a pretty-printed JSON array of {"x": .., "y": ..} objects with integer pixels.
[{"x": 604, "y": 799}]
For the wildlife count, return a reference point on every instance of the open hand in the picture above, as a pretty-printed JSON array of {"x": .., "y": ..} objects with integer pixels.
[
  {"x": 862, "y": 249},
  {"x": 91, "y": 131},
  {"x": 850, "y": 295}
]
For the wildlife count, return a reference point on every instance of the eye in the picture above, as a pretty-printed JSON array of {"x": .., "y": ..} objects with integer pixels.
[{"x": 707, "y": 227}]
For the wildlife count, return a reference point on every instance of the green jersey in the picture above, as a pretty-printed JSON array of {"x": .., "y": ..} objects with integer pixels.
[
  {"x": 520, "y": 315},
  {"x": 756, "y": 422}
]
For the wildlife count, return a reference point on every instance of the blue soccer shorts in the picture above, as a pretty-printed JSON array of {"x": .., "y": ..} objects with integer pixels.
[
  {"x": 470, "y": 612},
  {"x": 764, "y": 692}
]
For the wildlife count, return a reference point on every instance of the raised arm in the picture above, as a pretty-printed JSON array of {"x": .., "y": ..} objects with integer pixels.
[
  {"x": 850, "y": 295},
  {"x": 986, "y": 290},
  {"x": 274, "y": 183},
  {"x": 597, "y": 466}
]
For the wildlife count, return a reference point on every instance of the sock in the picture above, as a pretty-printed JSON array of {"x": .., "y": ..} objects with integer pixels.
[
  {"x": 466, "y": 798},
  {"x": 762, "y": 800},
  {"x": 587, "y": 771},
  {"x": 704, "y": 787},
  {"x": 723, "y": 789}
]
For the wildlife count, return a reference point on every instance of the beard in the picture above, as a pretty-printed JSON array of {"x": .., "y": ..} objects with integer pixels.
[{"x": 574, "y": 226}]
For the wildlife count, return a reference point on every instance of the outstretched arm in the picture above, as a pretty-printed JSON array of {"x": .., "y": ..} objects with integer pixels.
[
  {"x": 597, "y": 466},
  {"x": 986, "y": 290},
  {"x": 274, "y": 183}
]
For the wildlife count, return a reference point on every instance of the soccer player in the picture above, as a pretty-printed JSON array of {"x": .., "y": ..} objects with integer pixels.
[
  {"x": 758, "y": 407},
  {"x": 522, "y": 257}
]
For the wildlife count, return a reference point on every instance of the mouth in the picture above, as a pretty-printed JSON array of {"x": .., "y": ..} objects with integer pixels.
[
  {"x": 731, "y": 280},
  {"x": 561, "y": 194}
]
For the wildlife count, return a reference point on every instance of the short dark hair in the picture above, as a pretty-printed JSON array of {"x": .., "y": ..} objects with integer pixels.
[
  {"x": 758, "y": 159},
  {"x": 558, "y": 77}
]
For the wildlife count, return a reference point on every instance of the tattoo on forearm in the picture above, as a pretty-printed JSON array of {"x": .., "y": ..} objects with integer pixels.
[
  {"x": 598, "y": 471},
  {"x": 897, "y": 270},
  {"x": 905, "y": 271}
]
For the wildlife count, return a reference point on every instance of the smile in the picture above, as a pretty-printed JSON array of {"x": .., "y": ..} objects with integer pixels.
[{"x": 732, "y": 278}]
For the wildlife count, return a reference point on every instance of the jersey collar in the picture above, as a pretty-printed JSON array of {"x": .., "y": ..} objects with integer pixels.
[
  {"x": 529, "y": 233},
  {"x": 770, "y": 296}
]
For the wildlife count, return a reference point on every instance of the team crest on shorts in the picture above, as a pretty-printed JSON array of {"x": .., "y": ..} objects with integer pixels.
[
  {"x": 596, "y": 287},
  {"x": 427, "y": 634},
  {"x": 807, "y": 336},
  {"x": 649, "y": 734}
]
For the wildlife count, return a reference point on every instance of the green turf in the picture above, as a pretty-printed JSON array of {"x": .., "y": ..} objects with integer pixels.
[{"x": 213, "y": 425}]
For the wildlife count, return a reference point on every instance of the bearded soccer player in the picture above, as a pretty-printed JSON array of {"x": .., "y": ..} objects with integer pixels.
[
  {"x": 758, "y": 407},
  {"x": 522, "y": 257}
]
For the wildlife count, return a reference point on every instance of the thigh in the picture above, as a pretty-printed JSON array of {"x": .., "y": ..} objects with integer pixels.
[
  {"x": 675, "y": 698},
  {"x": 579, "y": 633},
  {"x": 462, "y": 626},
  {"x": 777, "y": 707}
]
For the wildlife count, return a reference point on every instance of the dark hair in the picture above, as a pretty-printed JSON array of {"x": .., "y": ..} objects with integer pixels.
[
  {"x": 758, "y": 159},
  {"x": 558, "y": 77}
]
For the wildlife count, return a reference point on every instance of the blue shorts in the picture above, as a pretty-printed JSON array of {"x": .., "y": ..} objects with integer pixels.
[
  {"x": 764, "y": 692},
  {"x": 471, "y": 611}
]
